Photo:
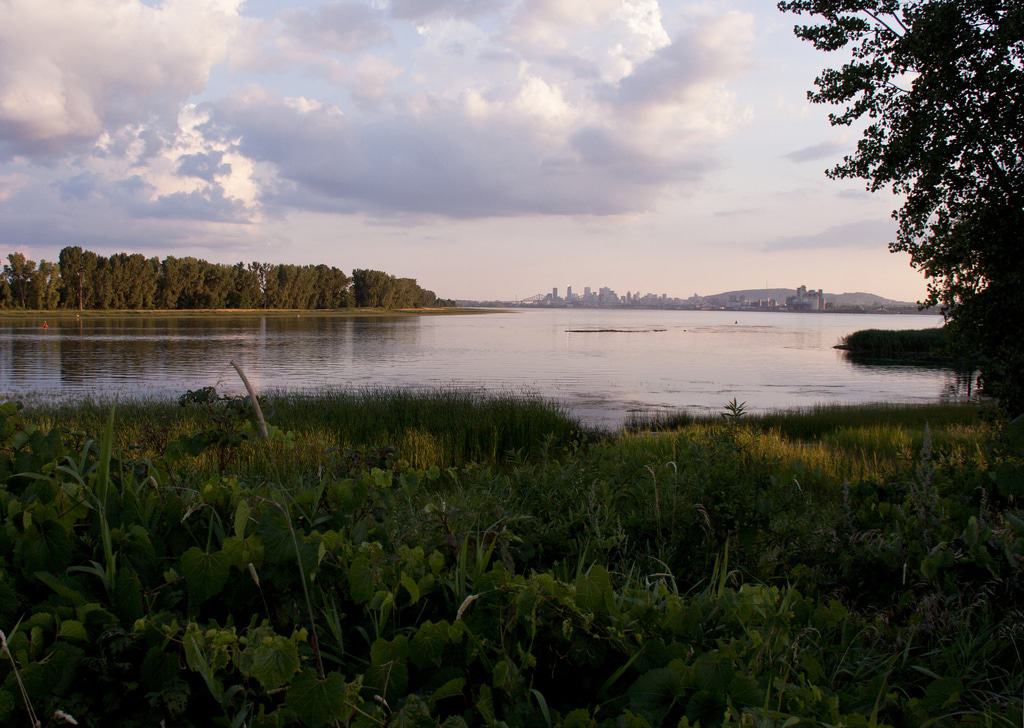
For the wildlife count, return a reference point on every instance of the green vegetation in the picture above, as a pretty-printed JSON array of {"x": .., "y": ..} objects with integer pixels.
[
  {"x": 83, "y": 280},
  {"x": 438, "y": 428},
  {"x": 930, "y": 345},
  {"x": 948, "y": 144},
  {"x": 62, "y": 314},
  {"x": 811, "y": 423},
  {"x": 835, "y": 567}
]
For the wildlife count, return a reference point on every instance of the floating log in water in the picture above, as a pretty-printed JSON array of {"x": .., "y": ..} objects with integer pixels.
[{"x": 614, "y": 331}]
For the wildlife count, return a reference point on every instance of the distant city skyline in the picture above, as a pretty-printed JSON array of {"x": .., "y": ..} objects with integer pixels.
[
  {"x": 798, "y": 298},
  {"x": 484, "y": 148}
]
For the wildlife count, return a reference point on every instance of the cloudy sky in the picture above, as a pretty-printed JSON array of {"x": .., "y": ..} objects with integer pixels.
[{"x": 489, "y": 148}]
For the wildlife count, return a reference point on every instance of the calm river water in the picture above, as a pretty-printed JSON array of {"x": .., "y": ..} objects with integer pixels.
[{"x": 653, "y": 361}]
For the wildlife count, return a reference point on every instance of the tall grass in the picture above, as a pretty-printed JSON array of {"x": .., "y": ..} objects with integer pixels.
[
  {"x": 436, "y": 428},
  {"x": 834, "y": 442},
  {"x": 813, "y": 422},
  {"x": 447, "y": 428},
  {"x": 929, "y": 344}
]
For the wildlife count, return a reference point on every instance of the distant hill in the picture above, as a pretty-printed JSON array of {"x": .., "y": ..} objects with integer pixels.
[{"x": 869, "y": 300}]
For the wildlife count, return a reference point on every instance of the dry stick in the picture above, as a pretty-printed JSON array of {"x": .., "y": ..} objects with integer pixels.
[
  {"x": 6, "y": 650},
  {"x": 255, "y": 402},
  {"x": 295, "y": 542}
]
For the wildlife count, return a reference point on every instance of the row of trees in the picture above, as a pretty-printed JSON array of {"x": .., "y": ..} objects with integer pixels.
[{"x": 81, "y": 279}]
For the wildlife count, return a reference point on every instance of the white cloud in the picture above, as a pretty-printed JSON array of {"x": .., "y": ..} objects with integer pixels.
[
  {"x": 336, "y": 26},
  {"x": 542, "y": 100},
  {"x": 871, "y": 233},
  {"x": 418, "y": 135},
  {"x": 548, "y": 22},
  {"x": 131, "y": 188},
  {"x": 12, "y": 182},
  {"x": 829, "y": 149},
  {"x": 531, "y": 140},
  {"x": 608, "y": 36},
  {"x": 424, "y": 9},
  {"x": 372, "y": 80},
  {"x": 306, "y": 105},
  {"x": 72, "y": 70},
  {"x": 717, "y": 49}
]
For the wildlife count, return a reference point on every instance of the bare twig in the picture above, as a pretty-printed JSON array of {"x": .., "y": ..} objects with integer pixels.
[
  {"x": 262, "y": 423},
  {"x": 33, "y": 718}
]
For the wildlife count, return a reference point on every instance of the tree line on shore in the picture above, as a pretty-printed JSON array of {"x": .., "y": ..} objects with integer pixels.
[{"x": 82, "y": 279}]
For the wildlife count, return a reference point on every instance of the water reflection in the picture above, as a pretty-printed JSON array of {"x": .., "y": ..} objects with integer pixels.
[
  {"x": 958, "y": 383},
  {"x": 654, "y": 360}
]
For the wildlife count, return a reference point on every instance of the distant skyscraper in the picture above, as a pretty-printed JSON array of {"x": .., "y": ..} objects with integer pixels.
[
  {"x": 554, "y": 293},
  {"x": 586, "y": 291},
  {"x": 568, "y": 293}
]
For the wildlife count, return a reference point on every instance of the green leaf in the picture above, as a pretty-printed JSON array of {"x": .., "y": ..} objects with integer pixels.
[
  {"x": 241, "y": 552},
  {"x": 205, "y": 574},
  {"x": 381, "y": 478},
  {"x": 655, "y": 692},
  {"x": 579, "y": 718},
  {"x": 714, "y": 673},
  {"x": 61, "y": 588},
  {"x": 7, "y": 704},
  {"x": 505, "y": 676},
  {"x": 412, "y": 587},
  {"x": 542, "y": 703},
  {"x": 594, "y": 590},
  {"x": 72, "y": 629},
  {"x": 318, "y": 702},
  {"x": 415, "y": 713},
  {"x": 45, "y": 546},
  {"x": 195, "y": 658},
  {"x": 272, "y": 661},
  {"x": 485, "y": 704},
  {"x": 1016, "y": 523},
  {"x": 360, "y": 580},
  {"x": 451, "y": 689},
  {"x": 936, "y": 562},
  {"x": 95, "y": 618},
  {"x": 241, "y": 518},
  {"x": 427, "y": 645},
  {"x": 943, "y": 694},
  {"x": 276, "y": 537},
  {"x": 388, "y": 671},
  {"x": 126, "y": 597}
]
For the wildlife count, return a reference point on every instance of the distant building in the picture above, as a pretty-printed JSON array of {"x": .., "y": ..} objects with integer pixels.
[{"x": 805, "y": 300}]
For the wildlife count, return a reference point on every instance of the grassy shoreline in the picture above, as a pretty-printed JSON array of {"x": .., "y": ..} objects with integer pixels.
[
  {"x": 447, "y": 559},
  {"x": 247, "y": 312},
  {"x": 448, "y": 427},
  {"x": 915, "y": 346}
]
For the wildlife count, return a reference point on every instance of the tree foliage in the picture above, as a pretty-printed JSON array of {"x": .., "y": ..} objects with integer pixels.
[
  {"x": 378, "y": 289},
  {"x": 81, "y": 279},
  {"x": 939, "y": 87}
]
